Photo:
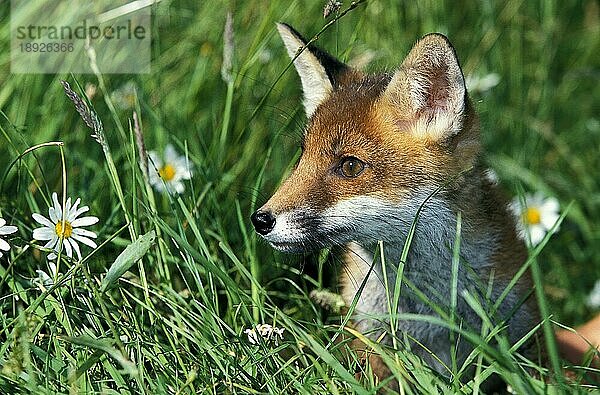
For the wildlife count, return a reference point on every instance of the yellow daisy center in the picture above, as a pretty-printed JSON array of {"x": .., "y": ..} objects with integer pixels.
[
  {"x": 167, "y": 172},
  {"x": 129, "y": 99},
  {"x": 205, "y": 49},
  {"x": 66, "y": 232},
  {"x": 532, "y": 216}
]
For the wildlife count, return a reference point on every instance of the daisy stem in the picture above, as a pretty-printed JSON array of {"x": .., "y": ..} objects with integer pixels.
[{"x": 63, "y": 218}]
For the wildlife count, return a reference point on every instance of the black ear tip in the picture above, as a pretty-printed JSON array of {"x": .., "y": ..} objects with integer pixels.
[
  {"x": 438, "y": 35},
  {"x": 284, "y": 25}
]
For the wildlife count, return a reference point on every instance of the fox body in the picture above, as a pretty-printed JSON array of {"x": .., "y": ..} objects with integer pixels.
[{"x": 375, "y": 150}]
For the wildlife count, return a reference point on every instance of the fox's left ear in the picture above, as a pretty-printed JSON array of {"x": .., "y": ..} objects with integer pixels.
[
  {"x": 319, "y": 71},
  {"x": 427, "y": 94}
]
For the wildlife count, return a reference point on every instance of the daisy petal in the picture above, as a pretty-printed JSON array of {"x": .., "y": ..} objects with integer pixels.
[
  {"x": 2, "y": 222},
  {"x": 158, "y": 185},
  {"x": 52, "y": 256},
  {"x": 79, "y": 211},
  {"x": 187, "y": 174},
  {"x": 68, "y": 206},
  {"x": 84, "y": 232},
  {"x": 44, "y": 233},
  {"x": 53, "y": 269},
  {"x": 4, "y": 245},
  {"x": 154, "y": 161},
  {"x": 593, "y": 299},
  {"x": 68, "y": 248},
  {"x": 537, "y": 234},
  {"x": 549, "y": 219},
  {"x": 57, "y": 246},
  {"x": 57, "y": 206},
  {"x": 52, "y": 243},
  {"x": 536, "y": 200},
  {"x": 6, "y": 230},
  {"x": 84, "y": 240},
  {"x": 170, "y": 154},
  {"x": 43, "y": 220},
  {"x": 76, "y": 249},
  {"x": 54, "y": 217},
  {"x": 551, "y": 204},
  {"x": 84, "y": 221},
  {"x": 178, "y": 187},
  {"x": 71, "y": 214}
]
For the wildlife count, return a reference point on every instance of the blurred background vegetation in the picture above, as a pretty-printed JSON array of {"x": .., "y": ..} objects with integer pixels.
[{"x": 540, "y": 127}]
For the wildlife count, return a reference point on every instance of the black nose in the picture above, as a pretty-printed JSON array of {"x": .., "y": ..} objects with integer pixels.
[{"x": 263, "y": 221}]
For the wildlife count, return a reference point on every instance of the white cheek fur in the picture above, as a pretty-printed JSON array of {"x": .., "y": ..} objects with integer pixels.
[
  {"x": 283, "y": 230},
  {"x": 287, "y": 235}
]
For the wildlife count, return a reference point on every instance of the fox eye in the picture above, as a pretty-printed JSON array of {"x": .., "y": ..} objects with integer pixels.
[{"x": 351, "y": 167}]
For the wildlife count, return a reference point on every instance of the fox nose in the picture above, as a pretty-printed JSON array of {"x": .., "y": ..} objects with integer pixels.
[{"x": 263, "y": 221}]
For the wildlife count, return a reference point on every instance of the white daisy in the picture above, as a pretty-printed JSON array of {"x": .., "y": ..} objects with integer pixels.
[
  {"x": 537, "y": 217},
  {"x": 90, "y": 90},
  {"x": 5, "y": 230},
  {"x": 124, "y": 97},
  {"x": 70, "y": 229},
  {"x": 593, "y": 299},
  {"x": 169, "y": 173},
  {"x": 264, "y": 56},
  {"x": 480, "y": 84},
  {"x": 268, "y": 333}
]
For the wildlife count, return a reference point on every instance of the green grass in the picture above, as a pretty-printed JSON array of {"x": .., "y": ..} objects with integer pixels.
[{"x": 174, "y": 321}]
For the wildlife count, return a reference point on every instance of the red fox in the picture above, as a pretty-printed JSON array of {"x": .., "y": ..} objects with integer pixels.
[{"x": 375, "y": 150}]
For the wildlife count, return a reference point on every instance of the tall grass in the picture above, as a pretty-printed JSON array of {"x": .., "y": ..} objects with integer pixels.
[{"x": 175, "y": 321}]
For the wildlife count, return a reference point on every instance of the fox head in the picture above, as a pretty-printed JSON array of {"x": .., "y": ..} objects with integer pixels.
[{"x": 374, "y": 146}]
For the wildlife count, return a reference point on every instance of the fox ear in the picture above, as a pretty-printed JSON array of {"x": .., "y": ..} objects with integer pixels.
[
  {"x": 428, "y": 93},
  {"x": 319, "y": 71}
]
